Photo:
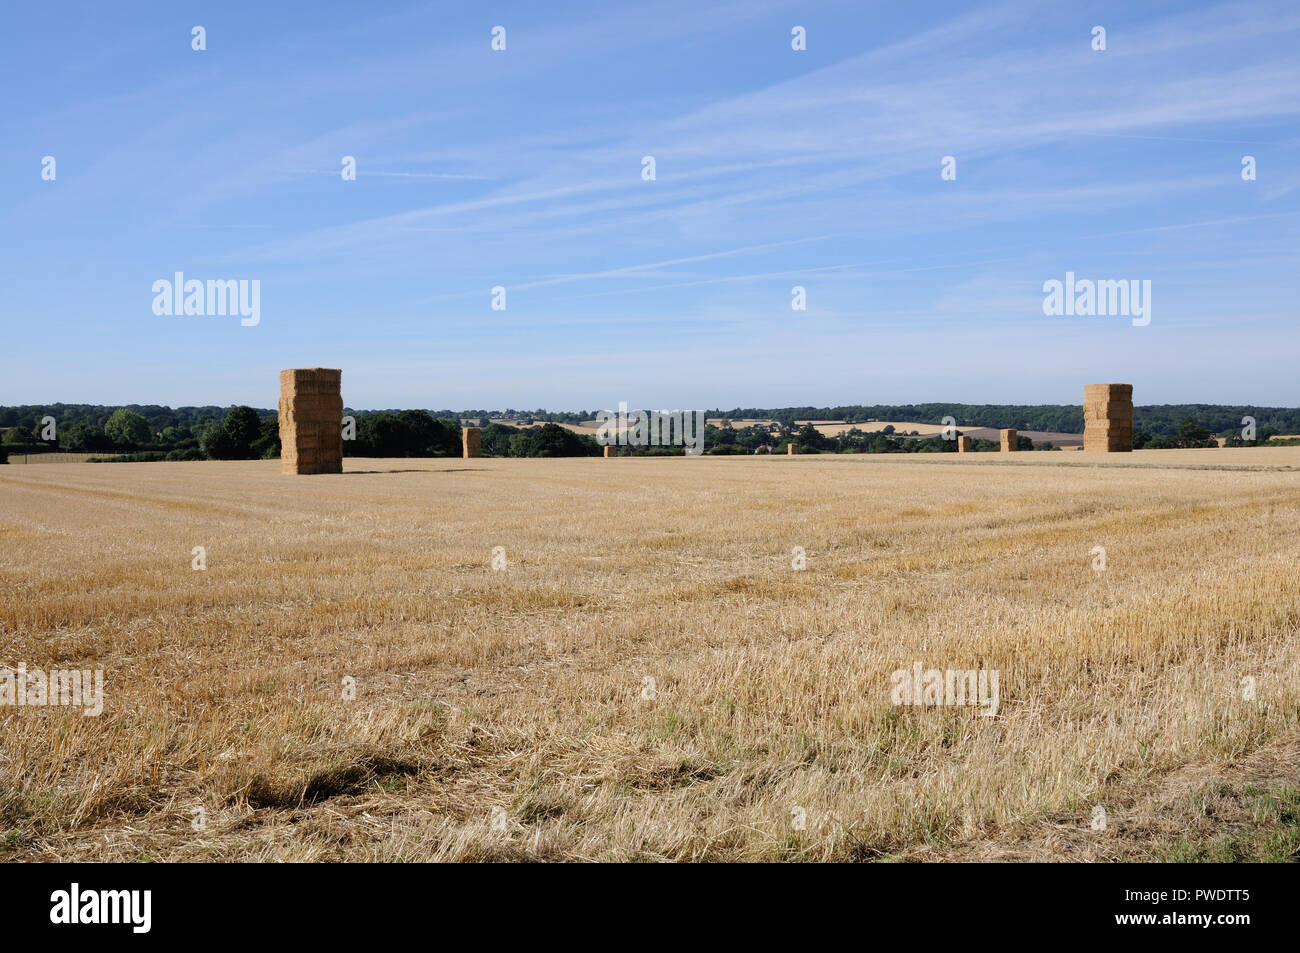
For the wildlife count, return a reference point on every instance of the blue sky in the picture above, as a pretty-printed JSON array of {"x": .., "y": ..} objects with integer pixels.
[{"x": 774, "y": 168}]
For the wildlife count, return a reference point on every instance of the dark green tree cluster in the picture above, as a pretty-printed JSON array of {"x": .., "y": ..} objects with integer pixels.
[
  {"x": 495, "y": 440},
  {"x": 146, "y": 431},
  {"x": 548, "y": 440},
  {"x": 1189, "y": 435},
  {"x": 242, "y": 435},
  {"x": 404, "y": 433},
  {"x": 1263, "y": 435},
  {"x": 733, "y": 440},
  {"x": 552, "y": 440}
]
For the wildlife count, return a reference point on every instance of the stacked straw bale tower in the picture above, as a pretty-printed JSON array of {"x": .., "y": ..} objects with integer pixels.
[
  {"x": 1108, "y": 418},
  {"x": 311, "y": 420},
  {"x": 471, "y": 442}
]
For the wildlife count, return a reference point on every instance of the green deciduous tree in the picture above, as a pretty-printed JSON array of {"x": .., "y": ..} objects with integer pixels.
[
  {"x": 1191, "y": 434},
  {"x": 242, "y": 427},
  {"x": 237, "y": 437},
  {"x": 127, "y": 429}
]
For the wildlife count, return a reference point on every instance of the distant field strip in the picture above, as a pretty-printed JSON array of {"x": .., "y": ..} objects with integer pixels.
[{"x": 18, "y": 457}]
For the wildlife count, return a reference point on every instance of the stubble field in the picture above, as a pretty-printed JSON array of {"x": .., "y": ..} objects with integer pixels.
[{"x": 648, "y": 677}]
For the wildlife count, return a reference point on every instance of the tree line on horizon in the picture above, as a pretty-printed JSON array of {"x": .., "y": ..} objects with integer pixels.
[
  {"x": 154, "y": 432},
  {"x": 1157, "y": 420},
  {"x": 246, "y": 433}
]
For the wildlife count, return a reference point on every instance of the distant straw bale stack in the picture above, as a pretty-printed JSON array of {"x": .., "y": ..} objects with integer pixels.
[
  {"x": 610, "y": 451},
  {"x": 963, "y": 443},
  {"x": 1108, "y": 418},
  {"x": 311, "y": 420},
  {"x": 1009, "y": 441},
  {"x": 471, "y": 442},
  {"x": 791, "y": 450}
]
